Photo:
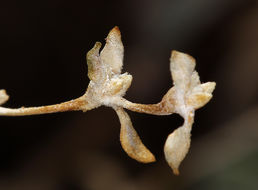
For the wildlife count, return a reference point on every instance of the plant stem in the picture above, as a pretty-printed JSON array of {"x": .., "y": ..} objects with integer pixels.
[
  {"x": 72, "y": 105},
  {"x": 154, "y": 109}
]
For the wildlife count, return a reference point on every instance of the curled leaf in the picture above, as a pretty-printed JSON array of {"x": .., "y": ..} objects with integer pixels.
[
  {"x": 95, "y": 68},
  {"x": 3, "y": 97},
  {"x": 130, "y": 140}
]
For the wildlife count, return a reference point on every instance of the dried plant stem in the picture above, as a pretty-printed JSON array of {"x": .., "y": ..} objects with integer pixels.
[
  {"x": 108, "y": 86},
  {"x": 160, "y": 108},
  {"x": 82, "y": 104},
  {"x": 72, "y": 105},
  {"x": 153, "y": 109}
]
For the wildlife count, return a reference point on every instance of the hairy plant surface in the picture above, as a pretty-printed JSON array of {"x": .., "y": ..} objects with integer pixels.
[{"x": 108, "y": 86}]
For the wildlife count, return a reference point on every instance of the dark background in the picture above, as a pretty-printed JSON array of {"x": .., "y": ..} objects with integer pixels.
[{"x": 42, "y": 61}]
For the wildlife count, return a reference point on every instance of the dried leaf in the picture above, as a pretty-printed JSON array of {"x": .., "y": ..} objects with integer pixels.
[
  {"x": 181, "y": 67},
  {"x": 198, "y": 100},
  {"x": 108, "y": 86},
  {"x": 95, "y": 68},
  {"x": 130, "y": 140},
  {"x": 187, "y": 94},
  {"x": 176, "y": 147},
  {"x": 3, "y": 97},
  {"x": 120, "y": 84},
  {"x": 113, "y": 52},
  {"x": 195, "y": 80},
  {"x": 207, "y": 87},
  {"x": 200, "y": 95}
]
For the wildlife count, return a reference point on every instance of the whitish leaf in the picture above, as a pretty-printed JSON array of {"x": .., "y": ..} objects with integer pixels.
[
  {"x": 176, "y": 147},
  {"x": 113, "y": 52},
  {"x": 181, "y": 67}
]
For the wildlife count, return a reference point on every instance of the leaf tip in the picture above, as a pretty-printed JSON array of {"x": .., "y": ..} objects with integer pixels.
[
  {"x": 3, "y": 96},
  {"x": 114, "y": 35},
  {"x": 115, "y": 30},
  {"x": 179, "y": 55},
  {"x": 176, "y": 148}
]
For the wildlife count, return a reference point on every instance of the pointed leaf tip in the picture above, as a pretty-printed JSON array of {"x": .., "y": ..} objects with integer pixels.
[
  {"x": 201, "y": 95},
  {"x": 115, "y": 30},
  {"x": 113, "y": 52}
]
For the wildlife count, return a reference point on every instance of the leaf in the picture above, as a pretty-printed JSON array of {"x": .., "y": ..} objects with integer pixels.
[
  {"x": 207, "y": 87},
  {"x": 104, "y": 70},
  {"x": 113, "y": 52},
  {"x": 195, "y": 80},
  {"x": 176, "y": 147},
  {"x": 3, "y": 97},
  {"x": 95, "y": 68},
  {"x": 198, "y": 100},
  {"x": 130, "y": 140},
  {"x": 120, "y": 84},
  {"x": 181, "y": 67},
  {"x": 200, "y": 95}
]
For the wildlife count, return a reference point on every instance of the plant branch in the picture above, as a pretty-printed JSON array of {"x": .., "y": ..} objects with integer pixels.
[
  {"x": 108, "y": 86},
  {"x": 72, "y": 105}
]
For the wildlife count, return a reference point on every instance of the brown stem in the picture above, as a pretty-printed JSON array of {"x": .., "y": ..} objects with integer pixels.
[
  {"x": 154, "y": 109},
  {"x": 72, "y": 105}
]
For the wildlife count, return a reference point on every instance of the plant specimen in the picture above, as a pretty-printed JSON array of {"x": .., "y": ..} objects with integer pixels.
[{"x": 108, "y": 86}]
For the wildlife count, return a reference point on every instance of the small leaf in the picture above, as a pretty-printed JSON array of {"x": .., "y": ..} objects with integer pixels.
[
  {"x": 130, "y": 140},
  {"x": 120, "y": 84},
  {"x": 195, "y": 80},
  {"x": 181, "y": 67},
  {"x": 176, "y": 147},
  {"x": 207, "y": 87},
  {"x": 3, "y": 97},
  {"x": 198, "y": 100},
  {"x": 200, "y": 95},
  {"x": 95, "y": 69},
  {"x": 113, "y": 52}
]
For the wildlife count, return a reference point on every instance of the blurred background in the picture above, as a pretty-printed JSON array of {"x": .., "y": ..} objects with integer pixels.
[{"x": 42, "y": 61}]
